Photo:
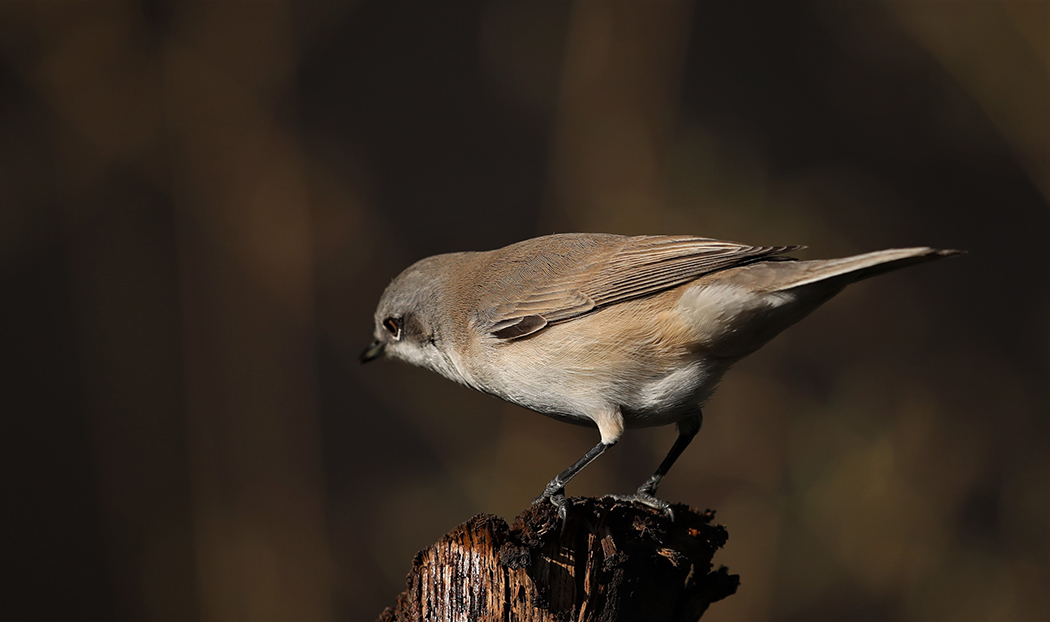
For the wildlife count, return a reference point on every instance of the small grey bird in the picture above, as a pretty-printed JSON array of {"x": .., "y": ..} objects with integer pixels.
[{"x": 608, "y": 330}]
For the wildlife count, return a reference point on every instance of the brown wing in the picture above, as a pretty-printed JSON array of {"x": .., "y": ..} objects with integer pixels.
[{"x": 628, "y": 268}]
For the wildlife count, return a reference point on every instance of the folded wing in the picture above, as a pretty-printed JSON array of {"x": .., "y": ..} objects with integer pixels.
[{"x": 617, "y": 270}]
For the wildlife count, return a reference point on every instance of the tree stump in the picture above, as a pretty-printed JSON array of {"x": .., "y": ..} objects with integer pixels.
[{"x": 613, "y": 561}]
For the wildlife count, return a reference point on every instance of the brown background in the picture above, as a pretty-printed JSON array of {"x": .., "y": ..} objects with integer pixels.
[{"x": 200, "y": 204}]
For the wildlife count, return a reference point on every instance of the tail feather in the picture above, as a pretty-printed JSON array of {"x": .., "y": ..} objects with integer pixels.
[
  {"x": 739, "y": 310},
  {"x": 863, "y": 266}
]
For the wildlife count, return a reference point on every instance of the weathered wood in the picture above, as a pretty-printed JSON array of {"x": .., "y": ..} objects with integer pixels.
[{"x": 614, "y": 561}]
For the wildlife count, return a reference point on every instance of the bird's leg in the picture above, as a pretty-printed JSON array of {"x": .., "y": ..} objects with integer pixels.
[
  {"x": 646, "y": 494},
  {"x": 555, "y": 490},
  {"x": 687, "y": 429}
]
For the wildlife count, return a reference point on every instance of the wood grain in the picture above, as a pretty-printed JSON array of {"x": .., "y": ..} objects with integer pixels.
[{"x": 613, "y": 561}]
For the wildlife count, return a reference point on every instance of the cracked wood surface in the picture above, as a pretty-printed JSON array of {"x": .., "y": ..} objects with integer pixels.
[{"x": 614, "y": 561}]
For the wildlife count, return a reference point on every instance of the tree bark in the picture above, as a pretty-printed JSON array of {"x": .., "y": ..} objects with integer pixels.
[{"x": 612, "y": 561}]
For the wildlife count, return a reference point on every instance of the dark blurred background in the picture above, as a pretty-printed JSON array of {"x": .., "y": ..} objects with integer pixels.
[{"x": 201, "y": 202}]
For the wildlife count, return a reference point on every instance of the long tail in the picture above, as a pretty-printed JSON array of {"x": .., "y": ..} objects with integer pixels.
[{"x": 863, "y": 266}]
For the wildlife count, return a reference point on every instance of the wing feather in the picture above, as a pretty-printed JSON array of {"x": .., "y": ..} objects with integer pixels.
[{"x": 623, "y": 269}]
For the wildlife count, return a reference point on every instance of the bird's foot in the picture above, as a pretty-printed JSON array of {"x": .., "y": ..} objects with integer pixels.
[
  {"x": 556, "y": 497},
  {"x": 646, "y": 498}
]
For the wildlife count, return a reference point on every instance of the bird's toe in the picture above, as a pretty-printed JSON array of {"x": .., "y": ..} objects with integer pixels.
[{"x": 647, "y": 499}]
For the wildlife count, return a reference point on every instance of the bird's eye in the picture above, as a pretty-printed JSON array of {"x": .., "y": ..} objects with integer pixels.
[{"x": 393, "y": 326}]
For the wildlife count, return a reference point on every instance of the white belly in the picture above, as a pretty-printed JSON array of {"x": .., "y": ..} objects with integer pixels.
[{"x": 663, "y": 400}]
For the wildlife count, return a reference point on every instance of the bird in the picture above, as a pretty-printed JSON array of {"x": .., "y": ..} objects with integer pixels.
[{"x": 606, "y": 330}]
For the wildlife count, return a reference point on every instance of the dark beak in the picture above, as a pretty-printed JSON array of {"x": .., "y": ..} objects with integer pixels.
[{"x": 373, "y": 351}]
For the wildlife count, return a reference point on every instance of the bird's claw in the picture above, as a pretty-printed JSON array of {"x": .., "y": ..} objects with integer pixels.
[
  {"x": 556, "y": 497},
  {"x": 647, "y": 499}
]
